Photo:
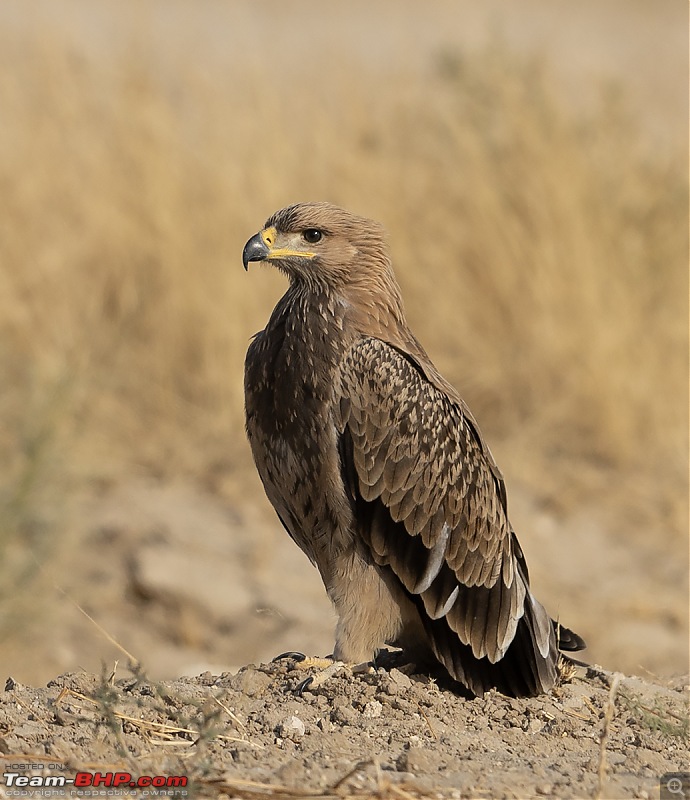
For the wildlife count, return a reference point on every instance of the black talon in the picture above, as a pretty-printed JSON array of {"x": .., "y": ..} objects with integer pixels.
[
  {"x": 303, "y": 686},
  {"x": 293, "y": 654}
]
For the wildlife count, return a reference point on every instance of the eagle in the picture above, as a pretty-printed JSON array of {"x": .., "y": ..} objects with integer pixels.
[{"x": 378, "y": 470}]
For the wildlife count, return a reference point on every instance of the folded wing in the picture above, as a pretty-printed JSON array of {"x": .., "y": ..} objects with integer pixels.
[{"x": 430, "y": 507}]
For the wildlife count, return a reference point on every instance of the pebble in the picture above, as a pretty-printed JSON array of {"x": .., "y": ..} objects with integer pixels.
[
  {"x": 615, "y": 758},
  {"x": 250, "y": 682},
  {"x": 400, "y": 679},
  {"x": 419, "y": 760},
  {"x": 535, "y": 725},
  {"x": 344, "y": 715},
  {"x": 372, "y": 709},
  {"x": 291, "y": 728}
]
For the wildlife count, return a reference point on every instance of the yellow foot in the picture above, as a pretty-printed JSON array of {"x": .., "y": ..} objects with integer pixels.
[
  {"x": 314, "y": 662},
  {"x": 334, "y": 668},
  {"x": 306, "y": 662},
  {"x": 325, "y": 669}
]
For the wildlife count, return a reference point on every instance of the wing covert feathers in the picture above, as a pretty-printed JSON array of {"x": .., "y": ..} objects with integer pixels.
[{"x": 432, "y": 509}]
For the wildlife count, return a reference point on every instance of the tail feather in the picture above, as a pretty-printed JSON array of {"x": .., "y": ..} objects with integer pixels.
[
  {"x": 522, "y": 672},
  {"x": 568, "y": 640},
  {"x": 529, "y": 666}
]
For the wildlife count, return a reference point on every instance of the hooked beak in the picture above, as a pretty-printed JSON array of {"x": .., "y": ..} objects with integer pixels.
[{"x": 256, "y": 249}]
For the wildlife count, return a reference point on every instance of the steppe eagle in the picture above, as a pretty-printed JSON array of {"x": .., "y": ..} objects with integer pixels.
[{"x": 378, "y": 470}]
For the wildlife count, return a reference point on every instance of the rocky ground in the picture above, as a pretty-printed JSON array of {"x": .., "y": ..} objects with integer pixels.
[
  {"x": 383, "y": 734},
  {"x": 186, "y": 583}
]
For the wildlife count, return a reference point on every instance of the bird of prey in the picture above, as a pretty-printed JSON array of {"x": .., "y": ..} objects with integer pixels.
[{"x": 378, "y": 470}]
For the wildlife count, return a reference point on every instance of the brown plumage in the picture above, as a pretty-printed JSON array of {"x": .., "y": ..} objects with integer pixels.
[{"x": 377, "y": 468}]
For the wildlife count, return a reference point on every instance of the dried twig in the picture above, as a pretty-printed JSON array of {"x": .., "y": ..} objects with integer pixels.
[
  {"x": 230, "y": 713},
  {"x": 428, "y": 722},
  {"x": 608, "y": 718},
  {"x": 161, "y": 728}
]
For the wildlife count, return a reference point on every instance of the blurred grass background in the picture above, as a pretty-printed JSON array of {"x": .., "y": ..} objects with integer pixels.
[{"x": 539, "y": 235}]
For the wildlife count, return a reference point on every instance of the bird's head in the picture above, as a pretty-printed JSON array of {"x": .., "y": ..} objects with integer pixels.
[{"x": 322, "y": 246}]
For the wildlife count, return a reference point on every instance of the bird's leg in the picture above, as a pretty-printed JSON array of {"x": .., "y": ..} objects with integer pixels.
[{"x": 325, "y": 669}]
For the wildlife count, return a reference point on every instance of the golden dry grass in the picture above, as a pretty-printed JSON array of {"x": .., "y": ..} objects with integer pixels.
[{"x": 541, "y": 252}]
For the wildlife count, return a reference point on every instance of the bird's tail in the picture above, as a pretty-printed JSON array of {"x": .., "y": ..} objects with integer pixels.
[{"x": 529, "y": 666}]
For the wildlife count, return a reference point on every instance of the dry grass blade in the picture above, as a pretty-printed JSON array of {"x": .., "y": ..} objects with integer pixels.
[
  {"x": 426, "y": 719},
  {"x": 608, "y": 718},
  {"x": 150, "y": 727},
  {"x": 134, "y": 662},
  {"x": 356, "y": 769},
  {"x": 572, "y": 713},
  {"x": 230, "y": 713},
  {"x": 591, "y": 706}
]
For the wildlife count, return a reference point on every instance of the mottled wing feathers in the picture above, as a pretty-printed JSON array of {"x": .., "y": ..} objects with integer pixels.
[
  {"x": 432, "y": 506},
  {"x": 415, "y": 451}
]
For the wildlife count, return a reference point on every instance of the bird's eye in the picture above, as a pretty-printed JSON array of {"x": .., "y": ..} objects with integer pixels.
[{"x": 312, "y": 235}]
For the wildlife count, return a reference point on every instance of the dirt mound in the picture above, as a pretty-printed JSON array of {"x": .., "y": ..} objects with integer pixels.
[{"x": 381, "y": 734}]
